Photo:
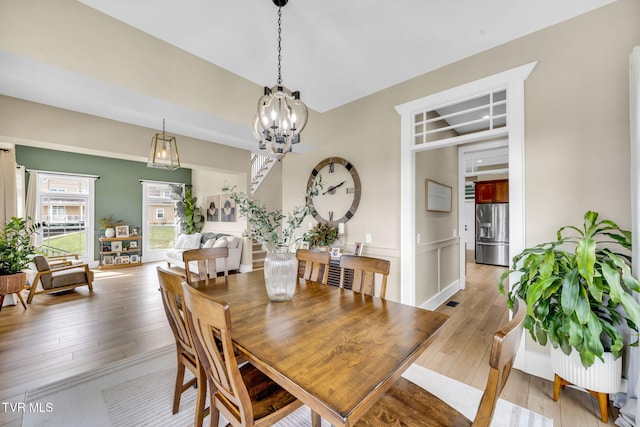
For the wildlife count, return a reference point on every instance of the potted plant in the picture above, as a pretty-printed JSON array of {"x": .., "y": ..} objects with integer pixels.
[
  {"x": 578, "y": 293},
  {"x": 15, "y": 254},
  {"x": 109, "y": 224},
  {"x": 189, "y": 215},
  {"x": 275, "y": 231},
  {"x": 322, "y": 235}
]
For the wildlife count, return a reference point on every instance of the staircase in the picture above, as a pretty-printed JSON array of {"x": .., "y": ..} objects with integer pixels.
[
  {"x": 258, "y": 254},
  {"x": 260, "y": 167}
]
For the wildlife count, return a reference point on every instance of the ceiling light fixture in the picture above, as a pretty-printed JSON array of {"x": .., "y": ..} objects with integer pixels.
[
  {"x": 281, "y": 114},
  {"x": 164, "y": 151}
]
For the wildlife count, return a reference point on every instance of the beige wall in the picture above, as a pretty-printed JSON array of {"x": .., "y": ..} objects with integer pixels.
[{"x": 576, "y": 129}]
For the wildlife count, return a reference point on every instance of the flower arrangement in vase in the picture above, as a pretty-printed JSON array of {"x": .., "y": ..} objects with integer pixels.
[{"x": 275, "y": 231}]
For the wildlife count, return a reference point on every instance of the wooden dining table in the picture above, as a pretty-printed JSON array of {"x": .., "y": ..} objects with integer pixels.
[{"x": 336, "y": 350}]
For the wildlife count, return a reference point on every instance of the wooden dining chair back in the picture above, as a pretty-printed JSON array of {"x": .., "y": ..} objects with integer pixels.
[
  {"x": 244, "y": 395},
  {"x": 206, "y": 260},
  {"x": 172, "y": 300},
  {"x": 364, "y": 273},
  {"x": 316, "y": 265},
  {"x": 406, "y": 403}
]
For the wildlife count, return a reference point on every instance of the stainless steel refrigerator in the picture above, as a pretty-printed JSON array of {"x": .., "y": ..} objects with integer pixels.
[{"x": 492, "y": 233}]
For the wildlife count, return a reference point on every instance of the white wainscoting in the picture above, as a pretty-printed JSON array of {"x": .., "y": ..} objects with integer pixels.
[{"x": 437, "y": 272}]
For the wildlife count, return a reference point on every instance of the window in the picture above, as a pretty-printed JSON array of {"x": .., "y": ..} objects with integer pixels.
[
  {"x": 65, "y": 206},
  {"x": 483, "y": 113},
  {"x": 159, "y": 229}
]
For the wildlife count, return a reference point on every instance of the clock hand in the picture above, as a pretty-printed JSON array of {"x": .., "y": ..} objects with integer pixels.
[{"x": 332, "y": 190}]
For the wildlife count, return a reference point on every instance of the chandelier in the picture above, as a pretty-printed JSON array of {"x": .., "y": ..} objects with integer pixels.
[
  {"x": 164, "y": 151},
  {"x": 281, "y": 114}
]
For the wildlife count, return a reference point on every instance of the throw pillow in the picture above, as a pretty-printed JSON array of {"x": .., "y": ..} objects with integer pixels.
[
  {"x": 220, "y": 243},
  {"x": 189, "y": 241},
  {"x": 209, "y": 243},
  {"x": 181, "y": 241}
]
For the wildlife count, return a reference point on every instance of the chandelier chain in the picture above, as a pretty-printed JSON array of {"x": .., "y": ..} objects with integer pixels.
[{"x": 279, "y": 44}]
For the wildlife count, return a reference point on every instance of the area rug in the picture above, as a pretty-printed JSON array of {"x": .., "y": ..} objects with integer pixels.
[{"x": 138, "y": 391}]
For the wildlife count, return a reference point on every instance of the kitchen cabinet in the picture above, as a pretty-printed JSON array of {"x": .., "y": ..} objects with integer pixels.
[{"x": 496, "y": 191}]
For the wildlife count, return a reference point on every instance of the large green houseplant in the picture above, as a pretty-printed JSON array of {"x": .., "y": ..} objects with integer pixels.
[
  {"x": 189, "y": 215},
  {"x": 16, "y": 251},
  {"x": 578, "y": 289}
]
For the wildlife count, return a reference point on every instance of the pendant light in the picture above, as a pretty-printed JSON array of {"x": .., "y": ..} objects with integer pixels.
[
  {"x": 164, "y": 151},
  {"x": 281, "y": 114}
]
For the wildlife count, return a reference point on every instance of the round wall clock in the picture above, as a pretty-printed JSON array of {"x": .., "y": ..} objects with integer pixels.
[{"x": 340, "y": 197}]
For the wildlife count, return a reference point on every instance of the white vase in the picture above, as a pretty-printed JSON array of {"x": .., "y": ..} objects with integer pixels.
[
  {"x": 280, "y": 274},
  {"x": 110, "y": 232},
  {"x": 603, "y": 377}
]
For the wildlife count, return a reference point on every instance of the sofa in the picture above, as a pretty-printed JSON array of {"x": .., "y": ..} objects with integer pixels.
[{"x": 207, "y": 240}]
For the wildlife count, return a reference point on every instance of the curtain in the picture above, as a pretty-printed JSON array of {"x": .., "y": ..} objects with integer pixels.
[
  {"x": 31, "y": 202},
  {"x": 630, "y": 412},
  {"x": 8, "y": 192}
]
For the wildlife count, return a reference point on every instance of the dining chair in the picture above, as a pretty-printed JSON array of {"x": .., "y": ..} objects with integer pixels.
[
  {"x": 206, "y": 260},
  {"x": 243, "y": 394},
  {"x": 172, "y": 297},
  {"x": 406, "y": 403},
  {"x": 316, "y": 265},
  {"x": 364, "y": 273}
]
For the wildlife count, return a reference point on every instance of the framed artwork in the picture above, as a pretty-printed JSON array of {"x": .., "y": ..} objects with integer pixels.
[
  {"x": 122, "y": 231},
  {"x": 227, "y": 209},
  {"x": 336, "y": 252},
  {"x": 124, "y": 259},
  {"x": 133, "y": 244},
  {"x": 438, "y": 196},
  {"x": 117, "y": 260},
  {"x": 135, "y": 258},
  {"x": 213, "y": 208},
  {"x": 107, "y": 260},
  {"x": 116, "y": 246},
  {"x": 357, "y": 248}
]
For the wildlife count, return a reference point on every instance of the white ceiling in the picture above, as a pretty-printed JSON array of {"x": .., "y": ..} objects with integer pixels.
[{"x": 333, "y": 51}]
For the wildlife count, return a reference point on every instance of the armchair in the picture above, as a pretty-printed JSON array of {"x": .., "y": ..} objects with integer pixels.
[{"x": 59, "y": 278}]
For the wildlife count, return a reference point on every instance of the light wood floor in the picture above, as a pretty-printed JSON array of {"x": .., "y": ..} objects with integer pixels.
[{"x": 60, "y": 336}]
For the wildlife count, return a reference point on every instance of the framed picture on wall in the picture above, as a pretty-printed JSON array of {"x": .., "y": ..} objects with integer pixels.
[
  {"x": 122, "y": 231},
  {"x": 213, "y": 208},
  {"x": 227, "y": 209}
]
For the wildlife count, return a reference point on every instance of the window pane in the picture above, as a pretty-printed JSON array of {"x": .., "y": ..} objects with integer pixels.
[
  {"x": 161, "y": 224},
  {"x": 65, "y": 219}
]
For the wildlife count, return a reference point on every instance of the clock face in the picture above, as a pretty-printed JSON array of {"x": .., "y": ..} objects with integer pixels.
[{"x": 338, "y": 200}]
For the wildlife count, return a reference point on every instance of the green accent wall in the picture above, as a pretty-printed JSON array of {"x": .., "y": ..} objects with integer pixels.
[{"x": 118, "y": 192}]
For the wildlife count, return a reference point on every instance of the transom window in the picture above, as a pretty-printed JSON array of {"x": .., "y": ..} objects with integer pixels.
[{"x": 481, "y": 113}]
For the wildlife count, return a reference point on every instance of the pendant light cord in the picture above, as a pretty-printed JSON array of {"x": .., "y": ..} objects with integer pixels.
[{"x": 279, "y": 45}]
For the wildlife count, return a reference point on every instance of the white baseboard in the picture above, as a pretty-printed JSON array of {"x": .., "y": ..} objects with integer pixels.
[
  {"x": 442, "y": 296},
  {"x": 244, "y": 268}
]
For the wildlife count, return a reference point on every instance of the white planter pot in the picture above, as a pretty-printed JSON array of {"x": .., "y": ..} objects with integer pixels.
[
  {"x": 603, "y": 377},
  {"x": 110, "y": 232}
]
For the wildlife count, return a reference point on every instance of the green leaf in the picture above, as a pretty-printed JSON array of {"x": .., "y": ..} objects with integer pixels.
[
  {"x": 583, "y": 309},
  {"x": 586, "y": 258},
  {"x": 570, "y": 289}
]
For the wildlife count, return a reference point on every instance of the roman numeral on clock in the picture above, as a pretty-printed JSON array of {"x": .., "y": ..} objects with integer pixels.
[
  {"x": 331, "y": 167},
  {"x": 330, "y": 215},
  {"x": 351, "y": 190}
]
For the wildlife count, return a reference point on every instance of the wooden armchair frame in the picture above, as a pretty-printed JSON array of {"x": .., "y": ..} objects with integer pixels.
[{"x": 37, "y": 280}]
